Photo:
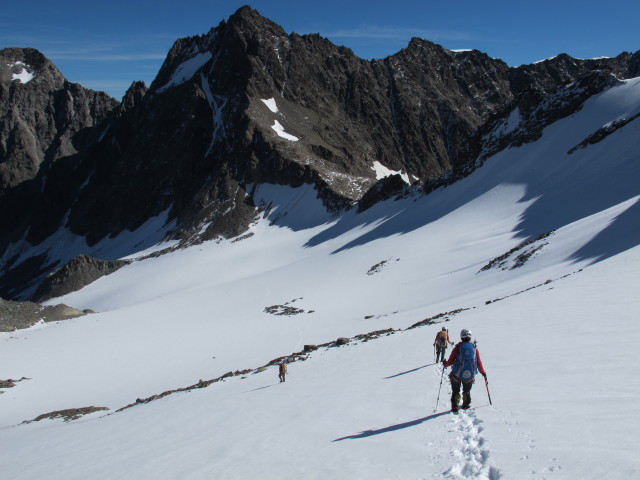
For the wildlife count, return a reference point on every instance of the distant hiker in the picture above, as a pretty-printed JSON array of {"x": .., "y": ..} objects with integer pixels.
[
  {"x": 441, "y": 343},
  {"x": 466, "y": 362},
  {"x": 282, "y": 371}
]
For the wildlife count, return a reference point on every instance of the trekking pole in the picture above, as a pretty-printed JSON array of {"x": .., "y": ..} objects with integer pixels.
[
  {"x": 438, "y": 399},
  {"x": 486, "y": 384}
]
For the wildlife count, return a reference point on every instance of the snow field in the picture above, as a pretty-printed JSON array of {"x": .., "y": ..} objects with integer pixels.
[
  {"x": 559, "y": 354},
  {"x": 367, "y": 410}
]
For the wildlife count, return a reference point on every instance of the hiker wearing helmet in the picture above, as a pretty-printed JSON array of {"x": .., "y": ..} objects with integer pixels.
[
  {"x": 465, "y": 362},
  {"x": 441, "y": 343}
]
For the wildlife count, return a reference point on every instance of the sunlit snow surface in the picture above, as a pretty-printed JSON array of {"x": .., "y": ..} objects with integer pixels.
[{"x": 563, "y": 390}]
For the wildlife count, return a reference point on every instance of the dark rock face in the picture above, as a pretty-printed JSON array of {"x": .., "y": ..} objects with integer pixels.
[
  {"x": 41, "y": 115},
  {"x": 43, "y": 119},
  {"x": 534, "y": 110},
  {"x": 248, "y": 103},
  {"x": 391, "y": 186}
]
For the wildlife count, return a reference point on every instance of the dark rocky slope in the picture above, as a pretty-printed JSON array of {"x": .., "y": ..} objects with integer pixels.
[{"x": 41, "y": 120}]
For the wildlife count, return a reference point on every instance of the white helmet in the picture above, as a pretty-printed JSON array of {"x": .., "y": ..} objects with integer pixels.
[{"x": 465, "y": 334}]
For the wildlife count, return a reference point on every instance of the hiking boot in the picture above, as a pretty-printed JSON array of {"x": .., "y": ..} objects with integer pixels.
[
  {"x": 466, "y": 400},
  {"x": 454, "y": 408}
]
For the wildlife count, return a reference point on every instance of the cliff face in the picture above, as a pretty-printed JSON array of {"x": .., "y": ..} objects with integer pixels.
[
  {"x": 41, "y": 115},
  {"x": 248, "y": 103}
]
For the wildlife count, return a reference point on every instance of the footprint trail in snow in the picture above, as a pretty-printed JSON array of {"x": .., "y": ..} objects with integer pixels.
[{"x": 470, "y": 454}]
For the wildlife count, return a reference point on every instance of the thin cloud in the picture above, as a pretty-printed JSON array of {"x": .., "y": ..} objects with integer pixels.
[
  {"x": 57, "y": 49},
  {"x": 105, "y": 57},
  {"x": 380, "y": 32}
]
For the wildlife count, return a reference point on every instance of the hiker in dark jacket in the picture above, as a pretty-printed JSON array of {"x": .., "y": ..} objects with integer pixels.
[
  {"x": 441, "y": 343},
  {"x": 465, "y": 362}
]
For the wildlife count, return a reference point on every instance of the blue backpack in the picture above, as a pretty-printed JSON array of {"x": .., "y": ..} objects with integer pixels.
[{"x": 465, "y": 366}]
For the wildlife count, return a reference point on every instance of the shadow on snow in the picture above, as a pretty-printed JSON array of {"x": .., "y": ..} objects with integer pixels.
[
  {"x": 559, "y": 188},
  {"x": 409, "y": 371},
  {"x": 392, "y": 428}
]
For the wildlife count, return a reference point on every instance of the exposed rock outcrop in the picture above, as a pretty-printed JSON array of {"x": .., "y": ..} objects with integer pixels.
[
  {"x": 16, "y": 315},
  {"x": 68, "y": 414},
  {"x": 77, "y": 273}
]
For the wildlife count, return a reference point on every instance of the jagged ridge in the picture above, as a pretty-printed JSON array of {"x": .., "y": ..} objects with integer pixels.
[{"x": 194, "y": 142}]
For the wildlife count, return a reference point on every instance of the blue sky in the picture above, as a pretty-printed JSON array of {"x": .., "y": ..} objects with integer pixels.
[{"x": 106, "y": 45}]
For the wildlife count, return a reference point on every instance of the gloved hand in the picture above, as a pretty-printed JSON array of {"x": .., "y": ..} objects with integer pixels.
[{"x": 484, "y": 375}]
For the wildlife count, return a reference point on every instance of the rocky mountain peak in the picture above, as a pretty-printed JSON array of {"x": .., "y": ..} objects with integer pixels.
[
  {"x": 22, "y": 66},
  {"x": 250, "y": 22},
  {"x": 40, "y": 114},
  {"x": 133, "y": 96},
  {"x": 244, "y": 104}
]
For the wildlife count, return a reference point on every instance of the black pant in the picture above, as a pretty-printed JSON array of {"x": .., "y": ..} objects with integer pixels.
[
  {"x": 455, "y": 392},
  {"x": 440, "y": 352}
]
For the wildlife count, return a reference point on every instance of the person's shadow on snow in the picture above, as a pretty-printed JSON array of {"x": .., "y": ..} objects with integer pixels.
[
  {"x": 392, "y": 428},
  {"x": 409, "y": 371},
  {"x": 262, "y": 388}
]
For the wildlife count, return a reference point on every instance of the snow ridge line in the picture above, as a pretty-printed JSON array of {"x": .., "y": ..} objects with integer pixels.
[
  {"x": 304, "y": 354},
  {"x": 471, "y": 454}
]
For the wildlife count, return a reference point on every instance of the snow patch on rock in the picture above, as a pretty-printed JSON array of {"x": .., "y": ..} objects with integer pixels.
[
  {"x": 383, "y": 172},
  {"x": 23, "y": 75},
  {"x": 279, "y": 129},
  {"x": 186, "y": 70},
  {"x": 271, "y": 104}
]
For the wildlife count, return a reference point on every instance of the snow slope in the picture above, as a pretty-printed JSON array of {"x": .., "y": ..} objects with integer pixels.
[
  {"x": 557, "y": 334},
  {"x": 186, "y": 70}
]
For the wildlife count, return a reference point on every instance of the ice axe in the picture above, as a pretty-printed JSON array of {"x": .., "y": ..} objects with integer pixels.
[
  {"x": 438, "y": 399},
  {"x": 486, "y": 384}
]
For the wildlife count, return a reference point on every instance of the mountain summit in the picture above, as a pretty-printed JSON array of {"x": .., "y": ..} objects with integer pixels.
[{"x": 247, "y": 104}]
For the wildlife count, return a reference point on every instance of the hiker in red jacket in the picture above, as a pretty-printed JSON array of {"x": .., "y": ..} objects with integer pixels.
[
  {"x": 441, "y": 343},
  {"x": 465, "y": 362}
]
